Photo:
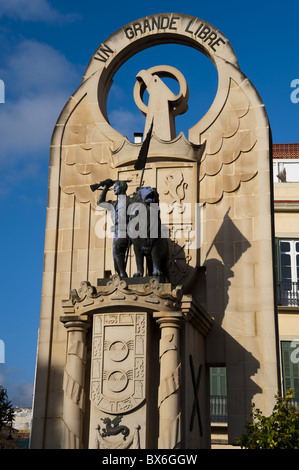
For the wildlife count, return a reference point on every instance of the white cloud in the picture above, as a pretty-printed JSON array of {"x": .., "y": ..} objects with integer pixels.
[
  {"x": 35, "y": 68},
  {"x": 34, "y": 10},
  {"x": 126, "y": 122},
  {"x": 19, "y": 392},
  {"x": 26, "y": 126},
  {"x": 38, "y": 82}
]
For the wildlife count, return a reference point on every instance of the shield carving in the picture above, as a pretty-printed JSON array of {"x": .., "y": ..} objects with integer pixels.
[{"x": 118, "y": 361}]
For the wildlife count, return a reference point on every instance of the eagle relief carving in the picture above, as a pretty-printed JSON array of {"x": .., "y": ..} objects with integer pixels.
[{"x": 222, "y": 155}]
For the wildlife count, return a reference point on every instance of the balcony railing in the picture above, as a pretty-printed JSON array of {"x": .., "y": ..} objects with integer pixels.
[
  {"x": 295, "y": 402},
  {"x": 288, "y": 293},
  {"x": 218, "y": 408}
]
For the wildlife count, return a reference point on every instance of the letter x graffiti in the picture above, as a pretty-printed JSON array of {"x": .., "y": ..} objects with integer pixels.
[{"x": 195, "y": 409}]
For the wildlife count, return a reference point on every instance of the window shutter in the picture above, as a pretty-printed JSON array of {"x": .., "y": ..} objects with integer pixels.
[
  {"x": 290, "y": 370},
  {"x": 218, "y": 381},
  {"x": 277, "y": 259}
]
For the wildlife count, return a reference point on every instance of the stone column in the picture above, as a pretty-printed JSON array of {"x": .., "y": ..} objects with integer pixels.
[
  {"x": 74, "y": 382},
  {"x": 170, "y": 380}
]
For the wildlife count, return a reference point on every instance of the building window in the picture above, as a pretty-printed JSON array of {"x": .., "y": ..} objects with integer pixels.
[
  {"x": 290, "y": 369},
  {"x": 218, "y": 395},
  {"x": 288, "y": 272},
  {"x": 286, "y": 170}
]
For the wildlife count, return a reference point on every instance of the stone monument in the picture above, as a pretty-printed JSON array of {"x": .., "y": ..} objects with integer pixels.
[{"x": 123, "y": 361}]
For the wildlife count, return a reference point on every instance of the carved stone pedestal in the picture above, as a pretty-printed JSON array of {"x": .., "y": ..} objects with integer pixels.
[{"x": 137, "y": 378}]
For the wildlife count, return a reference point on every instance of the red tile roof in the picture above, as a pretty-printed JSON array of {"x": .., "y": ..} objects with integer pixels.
[{"x": 285, "y": 150}]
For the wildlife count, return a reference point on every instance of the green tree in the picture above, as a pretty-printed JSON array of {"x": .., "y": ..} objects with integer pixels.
[
  {"x": 280, "y": 430},
  {"x": 6, "y": 409}
]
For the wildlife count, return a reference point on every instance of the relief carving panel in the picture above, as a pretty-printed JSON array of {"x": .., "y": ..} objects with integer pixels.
[{"x": 118, "y": 361}]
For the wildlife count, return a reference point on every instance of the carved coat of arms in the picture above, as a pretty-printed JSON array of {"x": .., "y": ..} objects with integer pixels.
[{"x": 118, "y": 361}]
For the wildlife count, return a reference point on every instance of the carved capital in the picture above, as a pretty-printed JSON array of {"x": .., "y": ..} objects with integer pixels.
[{"x": 149, "y": 295}]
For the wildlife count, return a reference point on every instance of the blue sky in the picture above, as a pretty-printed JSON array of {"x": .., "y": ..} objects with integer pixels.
[{"x": 45, "y": 46}]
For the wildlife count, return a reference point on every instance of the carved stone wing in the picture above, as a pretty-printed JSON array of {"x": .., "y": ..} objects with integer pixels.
[
  {"x": 229, "y": 158},
  {"x": 116, "y": 420},
  {"x": 85, "y": 154}
]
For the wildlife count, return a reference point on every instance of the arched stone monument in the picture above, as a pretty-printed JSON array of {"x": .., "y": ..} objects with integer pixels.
[{"x": 124, "y": 362}]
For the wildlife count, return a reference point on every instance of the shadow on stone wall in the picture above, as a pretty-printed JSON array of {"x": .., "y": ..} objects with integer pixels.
[{"x": 223, "y": 349}]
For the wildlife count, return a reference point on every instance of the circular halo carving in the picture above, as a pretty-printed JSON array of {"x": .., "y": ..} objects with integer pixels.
[
  {"x": 117, "y": 381},
  {"x": 118, "y": 351}
]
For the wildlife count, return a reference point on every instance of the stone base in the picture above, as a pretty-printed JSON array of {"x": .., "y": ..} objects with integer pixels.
[
  {"x": 130, "y": 281},
  {"x": 138, "y": 375}
]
